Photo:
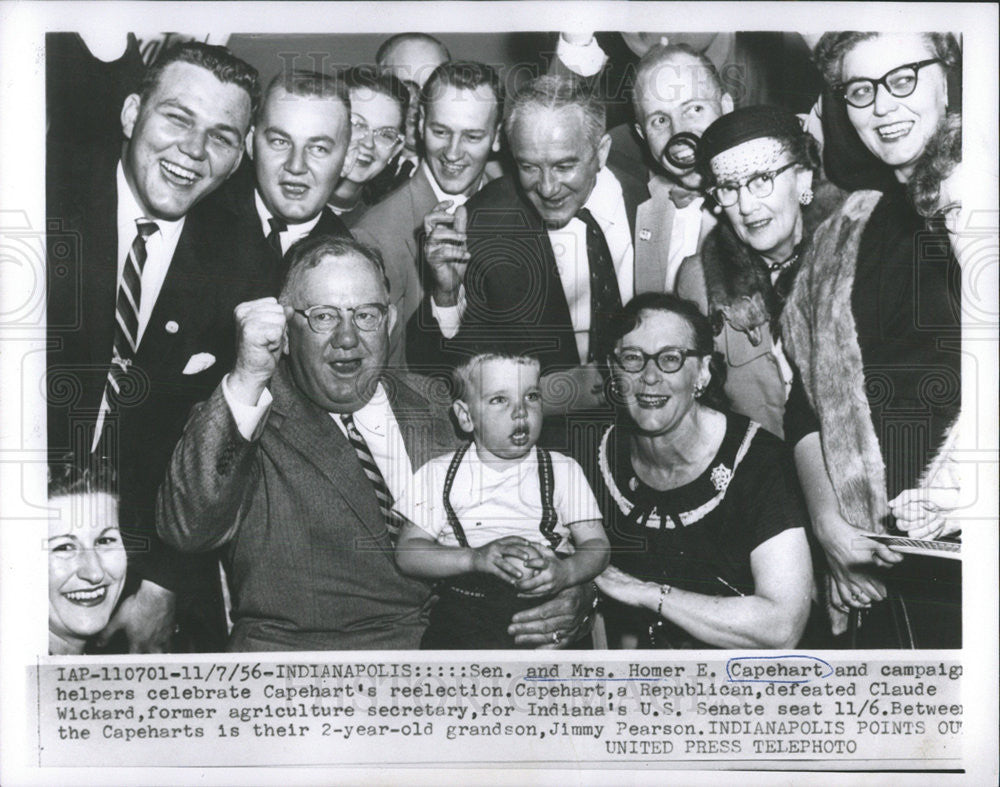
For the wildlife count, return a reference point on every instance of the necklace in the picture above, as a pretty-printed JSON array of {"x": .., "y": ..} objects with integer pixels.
[{"x": 789, "y": 260}]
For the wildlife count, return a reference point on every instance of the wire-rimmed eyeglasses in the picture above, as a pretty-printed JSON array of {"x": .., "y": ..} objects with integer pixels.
[
  {"x": 759, "y": 185},
  {"x": 385, "y": 137},
  {"x": 900, "y": 82},
  {"x": 326, "y": 319}
]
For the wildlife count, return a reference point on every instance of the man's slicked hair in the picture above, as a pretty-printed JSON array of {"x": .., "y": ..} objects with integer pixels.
[
  {"x": 308, "y": 84},
  {"x": 552, "y": 92},
  {"x": 463, "y": 75},
  {"x": 401, "y": 38},
  {"x": 222, "y": 63},
  {"x": 311, "y": 251},
  {"x": 657, "y": 56}
]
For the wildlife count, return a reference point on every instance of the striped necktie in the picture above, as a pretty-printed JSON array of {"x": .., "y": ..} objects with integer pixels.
[
  {"x": 382, "y": 493},
  {"x": 127, "y": 313}
]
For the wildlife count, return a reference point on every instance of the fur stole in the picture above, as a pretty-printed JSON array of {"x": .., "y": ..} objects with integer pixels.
[
  {"x": 738, "y": 281},
  {"x": 820, "y": 336}
]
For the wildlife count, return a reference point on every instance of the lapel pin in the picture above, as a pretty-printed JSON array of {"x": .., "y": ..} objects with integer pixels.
[
  {"x": 172, "y": 327},
  {"x": 645, "y": 234}
]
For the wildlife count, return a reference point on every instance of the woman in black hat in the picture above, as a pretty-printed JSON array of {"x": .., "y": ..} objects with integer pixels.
[{"x": 763, "y": 170}]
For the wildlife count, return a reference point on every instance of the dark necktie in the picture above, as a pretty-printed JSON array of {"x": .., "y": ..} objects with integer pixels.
[
  {"x": 127, "y": 302},
  {"x": 382, "y": 493},
  {"x": 274, "y": 238},
  {"x": 605, "y": 298}
]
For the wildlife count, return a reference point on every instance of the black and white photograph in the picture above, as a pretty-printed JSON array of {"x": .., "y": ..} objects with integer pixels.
[{"x": 404, "y": 385}]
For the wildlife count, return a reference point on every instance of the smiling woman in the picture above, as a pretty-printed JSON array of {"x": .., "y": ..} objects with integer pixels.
[
  {"x": 86, "y": 557},
  {"x": 874, "y": 328},
  {"x": 702, "y": 507},
  {"x": 764, "y": 173}
]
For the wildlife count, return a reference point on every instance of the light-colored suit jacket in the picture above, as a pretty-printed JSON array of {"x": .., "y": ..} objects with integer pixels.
[
  {"x": 653, "y": 224},
  {"x": 308, "y": 555},
  {"x": 395, "y": 226}
]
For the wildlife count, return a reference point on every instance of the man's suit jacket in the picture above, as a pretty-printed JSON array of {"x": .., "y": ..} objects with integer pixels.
[
  {"x": 396, "y": 226},
  {"x": 232, "y": 211},
  {"x": 309, "y": 559},
  {"x": 512, "y": 286},
  {"x": 192, "y": 317}
]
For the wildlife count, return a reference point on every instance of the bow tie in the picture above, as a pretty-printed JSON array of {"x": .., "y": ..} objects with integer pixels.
[{"x": 682, "y": 197}]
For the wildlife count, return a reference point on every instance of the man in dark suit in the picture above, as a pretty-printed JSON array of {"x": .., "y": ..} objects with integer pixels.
[
  {"x": 298, "y": 148},
  {"x": 140, "y": 305},
  {"x": 294, "y": 461},
  {"x": 461, "y": 108},
  {"x": 551, "y": 251}
]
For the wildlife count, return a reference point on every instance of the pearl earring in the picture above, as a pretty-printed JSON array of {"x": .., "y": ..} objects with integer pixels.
[{"x": 806, "y": 197}]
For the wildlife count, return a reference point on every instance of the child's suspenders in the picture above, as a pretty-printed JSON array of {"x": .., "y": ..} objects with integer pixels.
[{"x": 545, "y": 482}]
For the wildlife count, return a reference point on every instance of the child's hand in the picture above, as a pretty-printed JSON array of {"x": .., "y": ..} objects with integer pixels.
[
  {"x": 551, "y": 574},
  {"x": 505, "y": 558}
]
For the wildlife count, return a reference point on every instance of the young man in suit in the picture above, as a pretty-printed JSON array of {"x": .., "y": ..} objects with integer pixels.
[
  {"x": 140, "y": 308},
  {"x": 297, "y": 150},
  {"x": 294, "y": 462},
  {"x": 460, "y": 112},
  {"x": 551, "y": 250}
]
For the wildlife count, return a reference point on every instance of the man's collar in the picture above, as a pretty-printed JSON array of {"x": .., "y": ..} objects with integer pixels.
[
  {"x": 130, "y": 211},
  {"x": 456, "y": 199},
  {"x": 300, "y": 229},
  {"x": 605, "y": 195}
]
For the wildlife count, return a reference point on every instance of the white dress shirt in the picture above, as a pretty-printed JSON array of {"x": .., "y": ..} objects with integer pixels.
[
  {"x": 160, "y": 247},
  {"x": 569, "y": 245},
  {"x": 294, "y": 232},
  {"x": 375, "y": 421},
  {"x": 685, "y": 232}
]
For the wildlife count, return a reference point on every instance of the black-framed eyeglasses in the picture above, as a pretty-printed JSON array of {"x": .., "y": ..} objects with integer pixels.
[
  {"x": 900, "y": 82},
  {"x": 668, "y": 360},
  {"x": 326, "y": 319},
  {"x": 759, "y": 185},
  {"x": 385, "y": 137}
]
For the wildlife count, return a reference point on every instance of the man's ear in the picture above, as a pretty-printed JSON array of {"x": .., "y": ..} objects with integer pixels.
[
  {"x": 461, "y": 410},
  {"x": 603, "y": 148},
  {"x": 130, "y": 113},
  {"x": 726, "y": 103},
  {"x": 639, "y": 130},
  {"x": 495, "y": 147},
  {"x": 248, "y": 143}
]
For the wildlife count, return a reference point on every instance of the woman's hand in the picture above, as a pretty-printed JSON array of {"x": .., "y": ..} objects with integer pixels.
[
  {"x": 926, "y": 513},
  {"x": 625, "y": 588},
  {"x": 851, "y": 558}
]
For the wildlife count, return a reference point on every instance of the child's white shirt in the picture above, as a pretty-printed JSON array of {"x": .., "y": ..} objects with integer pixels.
[{"x": 493, "y": 503}]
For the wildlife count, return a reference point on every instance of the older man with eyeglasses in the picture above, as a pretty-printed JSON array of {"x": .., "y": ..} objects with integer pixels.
[{"x": 294, "y": 463}]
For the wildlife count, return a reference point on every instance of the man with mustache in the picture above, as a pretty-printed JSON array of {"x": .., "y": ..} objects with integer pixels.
[{"x": 140, "y": 306}]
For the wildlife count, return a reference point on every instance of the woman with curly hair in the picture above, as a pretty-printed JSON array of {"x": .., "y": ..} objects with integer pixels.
[{"x": 873, "y": 328}]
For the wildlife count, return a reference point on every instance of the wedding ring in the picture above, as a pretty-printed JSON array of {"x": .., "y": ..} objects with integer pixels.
[
  {"x": 555, "y": 637},
  {"x": 854, "y": 596}
]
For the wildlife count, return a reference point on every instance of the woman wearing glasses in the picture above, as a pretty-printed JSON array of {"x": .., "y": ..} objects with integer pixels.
[
  {"x": 873, "y": 328},
  {"x": 764, "y": 169},
  {"x": 702, "y": 507},
  {"x": 378, "y": 112}
]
